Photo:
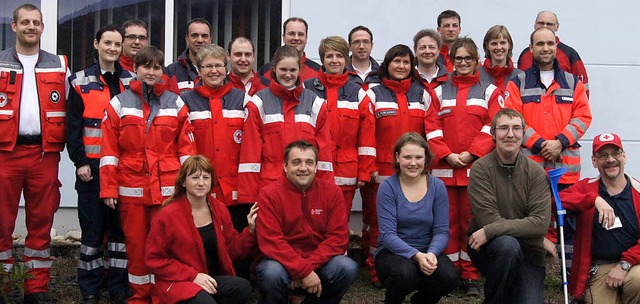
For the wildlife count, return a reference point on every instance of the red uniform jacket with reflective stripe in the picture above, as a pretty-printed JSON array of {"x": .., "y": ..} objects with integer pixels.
[
  {"x": 257, "y": 83},
  {"x": 175, "y": 253},
  {"x": 51, "y": 75},
  {"x": 352, "y": 127},
  {"x": 500, "y": 76},
  {"x": 217, "y": 116},
  {"x": 143, "y": 145},
  {"x": 309, "y": 69}
]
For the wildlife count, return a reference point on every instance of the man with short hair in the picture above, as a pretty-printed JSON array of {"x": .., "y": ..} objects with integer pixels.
[
  {"x": 607, "y": 244},
  {"x": 241, "y": 55},
  {"x": 567, "y": 56},
  {"x": 294, "y": 33},
  {"x": 184, "y": 71},
  {"x": 449, "y": 29},
  {"x": 426, "y": 46},
  {"x": 303, "y": 234},
  {"x": 135, "y": 38},
  {"x": 33, "y": 93},
  {"x": 511, "y": 209},
  {"x": 362, "y": 69}
]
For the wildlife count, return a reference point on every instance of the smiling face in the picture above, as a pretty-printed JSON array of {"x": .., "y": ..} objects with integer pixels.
[
  {"x": 197, "y": 185},
  {"x": 28, "y": 28},
  {"x": 241, "y": 58},
  {"x": 334, "y": 62},
  {"x": 301, "y": 167},
  {"x": 543, "y": 48},
  {"x": 286, "y": 71},
  {"x": 498, "y": 51},
  {"x": 213, "y": 72},
  {"x": 400, "y": 67},
  {"x": 295, "y": 35},
  {"x": 464, "y": 62},
  {"x": 426, "y": 51},
  {"x": 135, "y": 38},
  {"x": 109, "y": 47},
  {"x": 609, "y": 161},
  {"x": 508, "y": 134},
  {"x": 149, "y": 73},
  {"x": 361, "y": 45},
  {"x": 411, "y": 160},
  {"x": 197, "y": 37}
]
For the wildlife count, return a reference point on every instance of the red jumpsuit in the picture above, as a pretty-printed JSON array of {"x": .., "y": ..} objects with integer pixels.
[
  {"x": 274, "y": 118},
  {"x": 146, "y": 136},
  {"x": 352, "y": 130},
  {"x": 460, "y": 121}
]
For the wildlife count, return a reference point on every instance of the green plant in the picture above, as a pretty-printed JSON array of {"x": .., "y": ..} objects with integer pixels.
[{"x": 13, "y": 279}]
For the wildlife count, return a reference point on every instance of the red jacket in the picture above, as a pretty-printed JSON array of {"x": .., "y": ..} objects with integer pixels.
[
  {"x": 443, "y": 58},
  {"x": 460, "y": 121},
  {"x": 569, "y": 60},
  {"x": 276, "y": 117},
  {"x": 217, "y": 116},
  {"x": 352, "y": 127},
  {"x": 302, "y": 230},
  {"x": 434, "y": 87},
  {"x": 143, "y": 145},
  {"x": 500, "y": 76},
  {"x": 171, "y": 84},
  {"x": 581, "y": 198},
  {"x": 257, "y": 83},
  {"x": 51, "y": 77},
  {"x": 560, "y": 111},
  {"x": 399, "y": 107},
  {"x": 175, "y": 254}
]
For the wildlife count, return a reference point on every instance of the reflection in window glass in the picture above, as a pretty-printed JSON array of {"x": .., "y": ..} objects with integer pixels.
[{"x": 7, "y": 36}]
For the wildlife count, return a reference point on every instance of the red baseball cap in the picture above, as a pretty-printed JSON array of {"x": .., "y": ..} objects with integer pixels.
[{"x": 606, "y": 139}]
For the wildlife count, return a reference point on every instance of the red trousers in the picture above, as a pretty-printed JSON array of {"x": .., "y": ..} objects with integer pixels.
[
  {"x": 348, "y": 195},
  {"x": 459, "y": 216},
  {"x": 28, "y": 170},
  {"x": 136, "y": 222}
]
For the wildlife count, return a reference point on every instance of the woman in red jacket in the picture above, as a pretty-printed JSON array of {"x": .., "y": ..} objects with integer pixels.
[
  {"x": 350, "y": 118},
  {"x": 192, "y": 243},
  {"x": 457, "y": 127},
  {"x": 498, "y": 50}
]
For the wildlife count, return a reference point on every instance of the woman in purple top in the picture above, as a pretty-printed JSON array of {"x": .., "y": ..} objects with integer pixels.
[{"x": 413, "y": 216}]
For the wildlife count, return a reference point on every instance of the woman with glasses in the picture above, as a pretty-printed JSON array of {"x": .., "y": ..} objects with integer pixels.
[
  {"x": 351, "y": 120},
  {"x": 457, "y": 128},
  {"x": 275, "y": 117},
  {"x": 216, "y": 110},
  {"x": 399, "y": 106},
  {"x": 498, "y": 50}
]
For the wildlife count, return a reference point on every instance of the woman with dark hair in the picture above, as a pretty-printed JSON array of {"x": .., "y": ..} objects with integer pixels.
[
  {"x": 413, "y": 214},
  {"x": 458, "y": 132},
  {"x": 351, "y": 120},
  {"x": 399, "y": 106},
  {"x": 192, "y": 243},
  {"x": 146, "y": 135},
  {"x": 498, "y": 50},
  {"x": 275, "y": 117},
  {"x": 93, "y": 88}
]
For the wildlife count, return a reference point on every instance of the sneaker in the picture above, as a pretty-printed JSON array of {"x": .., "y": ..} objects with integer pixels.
[
  {"x": 472, "y": 287},
  {"x": 92, "y": 299},
  {"x": 37, "y": 298}
]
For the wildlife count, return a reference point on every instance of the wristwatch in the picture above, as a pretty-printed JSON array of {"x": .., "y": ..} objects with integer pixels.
[{"x": 625, "y": 265}]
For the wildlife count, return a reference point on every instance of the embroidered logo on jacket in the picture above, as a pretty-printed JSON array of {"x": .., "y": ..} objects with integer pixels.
[
  {"x": 316, "y": 211},
  {"x": 385, "y": 113}
]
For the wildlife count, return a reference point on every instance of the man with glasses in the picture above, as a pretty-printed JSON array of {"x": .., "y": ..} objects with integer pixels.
[
  {"x": 183, "y": 71},
  {"x": 607, "y": 246},
  {"x": 511, "y": 210},
  {"x": 567, "y": 56},
  {"x": 362, "y": 69},
  {"x": 135, "y": 38}
]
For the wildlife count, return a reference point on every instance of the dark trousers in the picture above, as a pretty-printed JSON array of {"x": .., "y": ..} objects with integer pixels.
[{"x": 231, "y": 290}]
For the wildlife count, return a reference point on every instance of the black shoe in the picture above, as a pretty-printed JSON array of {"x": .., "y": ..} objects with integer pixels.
[
  {"x": 472, "y": 287},
  {"x": 37, "y": 298},
  {"x": 118, "y": 297},
  {"x": 92, "y": 299}
]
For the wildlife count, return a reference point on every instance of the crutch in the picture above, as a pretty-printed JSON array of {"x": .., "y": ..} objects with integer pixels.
[{"x": 554, "y": 177}]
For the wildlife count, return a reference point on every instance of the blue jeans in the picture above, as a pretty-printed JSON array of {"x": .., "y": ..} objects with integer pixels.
[
  {"x": 337, "y": 275},
  {"x": 510, "y": 278}
]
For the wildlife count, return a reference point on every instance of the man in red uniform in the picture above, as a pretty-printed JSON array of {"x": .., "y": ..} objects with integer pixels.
[
  {"x": 449, "y": 29},
  {"x": 183, "y": 71},
  {"x": 32, "y": 133},
  {"x": 431, "y": 73},
  {"x": 567, "y": 56},
  {"x": 135, "y": 38},
  {"x": 303, "y": 233},
  {"x": 362, "y": 68},
  {"x": 294, "y": 33},
  {"x": 241, "y": 55}
]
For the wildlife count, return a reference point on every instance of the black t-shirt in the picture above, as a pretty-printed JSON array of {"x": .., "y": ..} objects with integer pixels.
[{"x": 210, "y": 243}]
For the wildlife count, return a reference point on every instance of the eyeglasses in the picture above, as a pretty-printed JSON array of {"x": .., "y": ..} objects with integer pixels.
[
  {"x": 467, "y": 59},
  {"x": 213, "y": 66},
  {"x": 505, "y": 129},
  {"x": 359, "y": 42},
  {"x": 605, "y": 156},
  {"x": 136, "y": 37}
]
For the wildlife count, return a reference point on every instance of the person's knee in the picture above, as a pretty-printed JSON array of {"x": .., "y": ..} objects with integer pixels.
[
  {"x": 242, "y": 291},
  {"x": 632, "y": 283},
  {"x": 347, "y": 267},
  {"x": 271, "y": 274},
  {"x": 505, "y": 246}
]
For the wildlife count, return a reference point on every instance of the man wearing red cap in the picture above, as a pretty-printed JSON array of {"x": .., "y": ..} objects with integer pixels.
[{"x": 607, "y": 240}]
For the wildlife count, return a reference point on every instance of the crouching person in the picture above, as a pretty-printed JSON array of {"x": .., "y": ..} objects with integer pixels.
[
  {"x": 303, "y": 234},
  {"x": 192, "y": 243}
]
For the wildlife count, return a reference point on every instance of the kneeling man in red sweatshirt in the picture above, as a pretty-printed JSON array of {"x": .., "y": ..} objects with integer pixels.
[{"x": 303, "y": 234}]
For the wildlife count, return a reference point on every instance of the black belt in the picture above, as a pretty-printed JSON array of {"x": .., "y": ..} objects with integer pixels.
[{"x": 29, "y": 140}]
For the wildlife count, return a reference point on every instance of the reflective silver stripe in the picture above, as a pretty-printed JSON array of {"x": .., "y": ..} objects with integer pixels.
[
  {"x": 468, "y": 172},
  {"x": 168, "y": 112},
  {"x": 447, "y": 103},
  {"x": 442, "y": 172},
  {"x": 91, "y": 265},
  {"x": 167, "y": 191},
  {"x": 454, "y": 256},
  {"x": 5, "y": 255},
  {"x": 571, "y": 153},
  {"x": 249, "y": 167},
  {"x": 269, "y": 118},
  {"x": 195, "y": 115},
  {"x": 478, "y": 102},
  {"x": 234, "y": 195},
  {"x": 6, "y": 112},
  {"x": 304, "y": 118},
  {"x": 118, "y": 263},
  {"x": 370, "y": 151},
  {"x": 83, "y": 79},
  {"x": 34, "y": 264},
  {"x": 486, "y": 129},
  {"x": 345, "y": 104},
  {"x": 527, "y": 134},
  {"x": 532, "y": 91},
  {"x": 386, "y": 105},
  {"x": 8, "y": 267},
  {"x": 92, "y": 132},
  {"x": 92, "y": 149},
  {"x": 416, "y": 106},
  {"x": 579, "y": 123},
  {"x": 434, "y": 134},
  {"x": 108, "y": 160},
  {"x": 184, "y": 158},
  {"x": 56, "y": 114},
  {"x": 131, "y": 192},
  {"x": 586, "y": 85},
  {"x": 116, "y": 247},
  {"x": 566, "y": 92},
  {"x": 233, "y": 113},
  {"x": 381, "y": 178},
  {"x": 141, "y": 280},
  {"x": 37, "y": 253},
  {"x": 86, "y": 250},
  {"x": 130, "y": 111},
  {"x": 325, "y": 166},
  {"x": 465, "y": 256},
  {"x": 345, "y": 181},
  {"x": 185, "y": 85}
]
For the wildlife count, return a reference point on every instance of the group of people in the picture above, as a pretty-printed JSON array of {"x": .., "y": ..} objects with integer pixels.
[{"x": 189, "y": 173}]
